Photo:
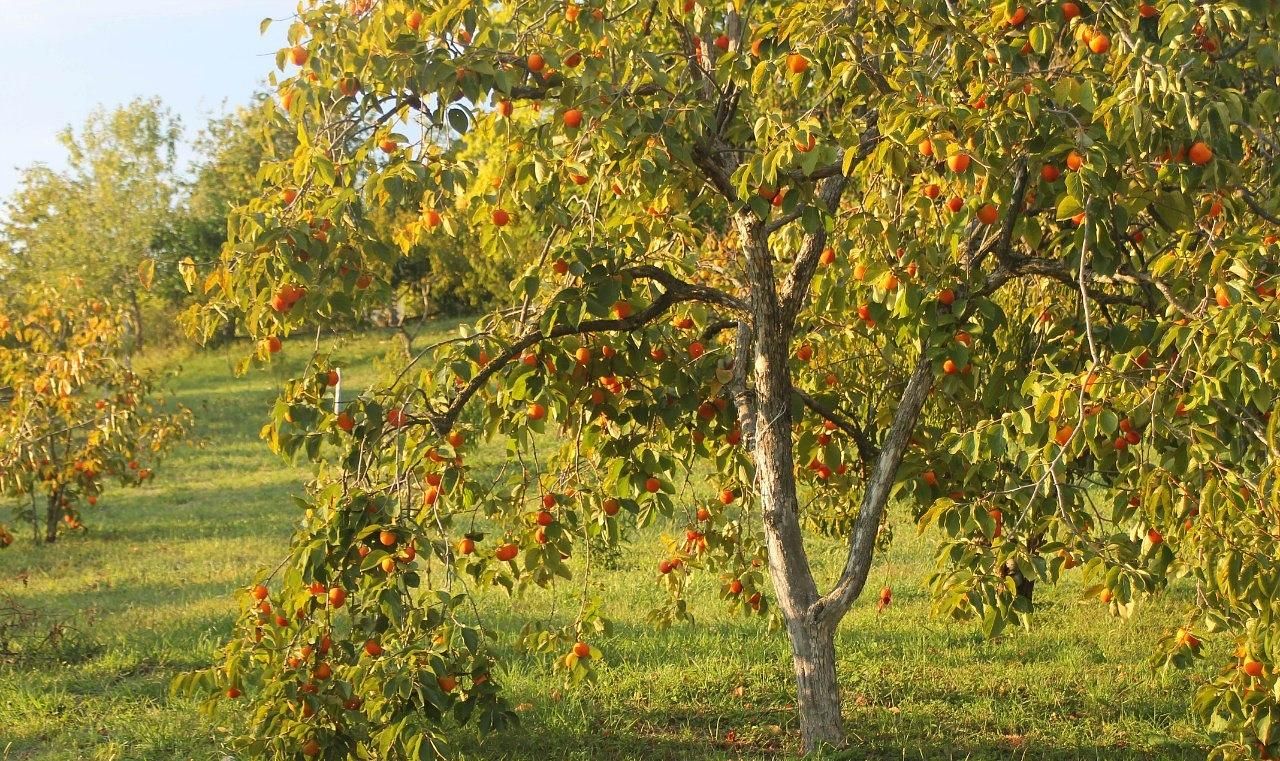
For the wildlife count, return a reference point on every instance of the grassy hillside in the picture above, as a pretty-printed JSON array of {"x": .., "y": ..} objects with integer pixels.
[{"x": 146, "y": 593}]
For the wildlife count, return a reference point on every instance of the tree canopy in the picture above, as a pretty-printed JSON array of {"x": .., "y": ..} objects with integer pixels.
[{"x": 1007, "y": 268}]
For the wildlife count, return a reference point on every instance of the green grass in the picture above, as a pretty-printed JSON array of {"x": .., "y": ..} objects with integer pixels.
[{"x": 147, "y": 594}]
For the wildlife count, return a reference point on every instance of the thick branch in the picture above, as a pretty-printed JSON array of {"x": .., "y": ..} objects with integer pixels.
[
  {"x": 795, "y": 290},
  {"x": 829, "y": 609}
]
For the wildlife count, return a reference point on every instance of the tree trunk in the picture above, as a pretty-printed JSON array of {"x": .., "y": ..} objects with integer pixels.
[
  {"x": 136, "y": 307},
  {"x": 813, "y": 654},
  {"x": 53, "y": 514},
  {"x": 769, "y": 435}
]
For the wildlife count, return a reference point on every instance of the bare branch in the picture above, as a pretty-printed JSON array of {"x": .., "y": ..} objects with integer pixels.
[{"x": 866, "y": 450}]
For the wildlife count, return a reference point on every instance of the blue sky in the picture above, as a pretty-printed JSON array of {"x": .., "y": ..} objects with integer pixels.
[{"x": 66, "y": 57}]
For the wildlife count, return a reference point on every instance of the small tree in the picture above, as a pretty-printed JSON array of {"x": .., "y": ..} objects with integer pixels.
[
  {"x": 76, "y": 415},
  {"x": 1011, "y": 265}
]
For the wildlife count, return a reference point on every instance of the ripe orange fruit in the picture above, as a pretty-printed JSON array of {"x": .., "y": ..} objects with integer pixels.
[
  {"x": 722, "y": 42},
  {"x": 414, "y": 20},
  {"x": 507, "y": 551},
  {"x": 545, "y": 518},
  {"x": 372, "y": 647},
  {"x": 260, "y": 592},
  {"x": 573, "y": 118},
  {"x": 388, "y": 145},
  {"x": 299, "y": 55},
  {"x": 337, "y": 597},
  {"x": 1200, "y": 154},
  {"x": 1153, "y": 536},
  {"x": 696, "y": 349},
  {"x": 1050, "y": 173},
  {"x": 987, "y": 214},
  {"x": 583, "y": 355},
  {"x": 505, "y": 108},
  {"x": 1222, "y": 296},
  {"x": 652, "y": 485},
  {"x": 955, "y": 204},
  {"x": 864, "y": 311},
  {"x": 467, "y": 546},
  {"x": 946, "y": 297},
  {"x": 447, "y": 683},
  {"x": 926, "y": 148},
  {"x": 322, "y": 671},
  {"x": 1147, "y": 11},
  {"x": 890, "y": 282},
  {"x": 311, "y": 748},
  {"x": 611, "y": 506},
  {"x": 797, "y": 64},
  {"x": 931, "y": 191},
  {"x": 233, "y": 692},
  {"x": 346, "y": 422},
  {"x": 1106, "y": 596},
  {"x": 828, "y": 257},
  {"x": 1099, "y": 43},
  {"x": 571, "y": 12},
  {"x": 387, "y": 538},
  {"x": 1064, "y": 435},
  {"x": 622, "y": 309},
  {"x": 949, "y": 367},
  {"x": 582, "y": 650},
  {"x": 537, "y": 411},
  {"x": 930, "y": 477},
  {"x": 1019, "y": 16},
  {"x": 535, "y": 62},
  {"x": 1251, "y": 667},
  {"x": 735, "y": 587},
  {"x": 501, "y": 217},
  {"x": 958, "y": 163},
  {"x": 273, "y": 344},
  {"x": 804, "y": 353},
  {"x": 1074, "y": 161},
  {"x": 860, "y": 271},
  {"x": 1070, "y": 11},
  {"x": 560, "y": 266}
]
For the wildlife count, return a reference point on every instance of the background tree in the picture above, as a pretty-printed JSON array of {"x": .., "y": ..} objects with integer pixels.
[
  {"x": 231, "y": 150},
  {"x": 76, "y": 415},
  {"x": 1010, "y": 265},
  {"x": 98, "y": 220}
]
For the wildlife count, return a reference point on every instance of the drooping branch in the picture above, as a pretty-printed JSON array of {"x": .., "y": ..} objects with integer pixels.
[
  {"x": 866, "y": 449},
  {"x": 829, "y": 609},
  {"x": 675, "y": 291}
]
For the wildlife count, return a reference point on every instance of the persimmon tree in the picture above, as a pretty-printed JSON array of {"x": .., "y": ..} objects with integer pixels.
[
  {"x": 1007, "y": 266},
  {"x": 76, "y": 416}
]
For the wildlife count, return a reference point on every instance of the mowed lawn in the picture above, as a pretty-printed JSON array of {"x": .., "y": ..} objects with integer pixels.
[{"x": 148, "y": 593}]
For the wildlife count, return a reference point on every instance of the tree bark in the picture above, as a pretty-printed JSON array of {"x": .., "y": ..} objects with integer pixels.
[
  {"x": 52, "y": 515},
  {"x": 812, "y": 646},
  {"x": 813, "y": 655}
]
